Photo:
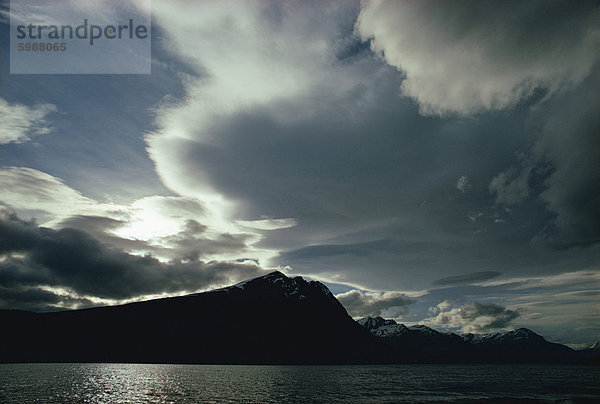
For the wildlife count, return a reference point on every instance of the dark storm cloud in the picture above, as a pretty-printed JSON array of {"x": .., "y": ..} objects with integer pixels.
[
  {"x": 561, "y": 169},
  {"x": 468, "y": 278},
  {"x": 35, "y": 299},
  {"x": 36, "y": 257}
]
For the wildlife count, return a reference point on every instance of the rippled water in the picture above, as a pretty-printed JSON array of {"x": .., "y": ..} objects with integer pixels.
[{"x": 136, "y": 383}]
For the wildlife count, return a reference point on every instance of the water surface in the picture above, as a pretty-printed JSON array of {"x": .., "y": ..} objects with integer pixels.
[{"x": 139, "y": 383}]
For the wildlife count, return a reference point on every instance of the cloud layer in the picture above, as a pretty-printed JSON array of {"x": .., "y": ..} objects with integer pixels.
[
  {"x": 468, "y": 278},
  {"x": 465, "y": 57}
]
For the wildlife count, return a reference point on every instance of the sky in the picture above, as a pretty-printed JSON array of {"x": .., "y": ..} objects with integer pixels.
[{"x": 433, "y": 162}]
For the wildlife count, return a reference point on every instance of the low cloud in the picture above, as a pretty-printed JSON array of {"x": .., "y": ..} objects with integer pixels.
[
  {"x": 463, "y": 184},
  {"x": 512, "y": 186},
  {"x": 444, "y": 305},
  {"x": 362, "y": 304},
  {"x": 35, "y": 258},
  {"x": 473, "y": 317},
  {"x": 20, "y": 123},
  {"x": 440, "y": 307}
]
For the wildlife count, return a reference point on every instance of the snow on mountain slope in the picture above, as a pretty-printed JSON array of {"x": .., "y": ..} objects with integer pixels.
[
  {"x": 389, "y": 328},
  {"x": 381, "y": 327}
]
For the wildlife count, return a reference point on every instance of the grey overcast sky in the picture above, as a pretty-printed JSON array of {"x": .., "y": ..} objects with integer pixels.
[{"x": 436, "y": 162}]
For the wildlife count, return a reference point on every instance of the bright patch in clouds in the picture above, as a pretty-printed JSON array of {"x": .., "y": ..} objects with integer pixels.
[
  {"x": 473, "y": 317},
  {"x": 162, "y": 223},
  {"x": 159, "y": 216}
]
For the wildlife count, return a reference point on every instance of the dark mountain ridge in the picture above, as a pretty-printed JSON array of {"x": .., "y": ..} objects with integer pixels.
[
  {"x": 272, "y": 319},
  {"x": 268, "y": 320}
]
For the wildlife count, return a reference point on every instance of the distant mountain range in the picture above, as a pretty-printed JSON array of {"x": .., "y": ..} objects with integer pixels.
[
  {"x": 421, "y": 344},
  {"x": 273, "y": 319}
]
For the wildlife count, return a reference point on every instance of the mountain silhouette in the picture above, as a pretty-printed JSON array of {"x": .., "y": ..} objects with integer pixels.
[
  {"x": 268, "y": 320},
  {"x": 272, "y": 319}
]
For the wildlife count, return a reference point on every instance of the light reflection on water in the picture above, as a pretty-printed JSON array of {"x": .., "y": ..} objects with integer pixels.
[{"x": 139, "y": 383}]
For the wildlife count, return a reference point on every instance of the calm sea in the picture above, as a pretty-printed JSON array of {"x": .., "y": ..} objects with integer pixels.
[{"x": 133, "y": 383}]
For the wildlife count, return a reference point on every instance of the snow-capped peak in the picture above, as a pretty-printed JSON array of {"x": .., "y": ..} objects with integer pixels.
[
  {"x": 520, "y": 334},
  {"x": 381, "y": 327},
  {"x": 389, "y": 328}
]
